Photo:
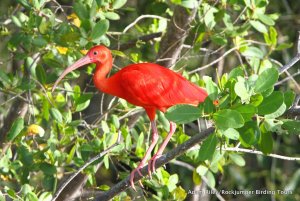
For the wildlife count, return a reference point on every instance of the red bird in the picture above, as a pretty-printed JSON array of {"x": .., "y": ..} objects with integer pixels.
[{"x": 148, "y": 85}]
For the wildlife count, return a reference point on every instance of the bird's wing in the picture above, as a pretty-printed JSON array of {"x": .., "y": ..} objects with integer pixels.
[{"x": 157, "y": 87}]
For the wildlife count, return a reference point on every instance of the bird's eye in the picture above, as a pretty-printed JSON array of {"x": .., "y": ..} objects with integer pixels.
[{"x": 95, "y": 53}]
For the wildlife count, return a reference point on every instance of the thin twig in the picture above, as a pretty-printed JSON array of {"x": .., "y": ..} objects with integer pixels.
[
  {"x": 260, "y": 153},
  {"x": 214, "y": 62},
  {"x": 140, "y": 18}
]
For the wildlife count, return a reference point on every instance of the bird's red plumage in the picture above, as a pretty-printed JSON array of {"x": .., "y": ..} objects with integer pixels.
[{"x": 151, "y": 85}]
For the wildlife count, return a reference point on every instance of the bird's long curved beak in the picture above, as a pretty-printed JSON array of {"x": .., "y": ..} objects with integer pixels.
[{"x": 81, "y": 62}]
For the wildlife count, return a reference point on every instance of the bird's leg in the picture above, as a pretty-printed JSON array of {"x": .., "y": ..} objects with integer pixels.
[
  {"x": 151, "y": 163},
  {"x": 148, "y": 153}
]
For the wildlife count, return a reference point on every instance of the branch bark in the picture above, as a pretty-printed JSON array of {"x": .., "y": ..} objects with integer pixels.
[
  {"x": 181, "y": 149},
  {"x": 294, "y": 60},
  {"x": 172, "y": 41}
]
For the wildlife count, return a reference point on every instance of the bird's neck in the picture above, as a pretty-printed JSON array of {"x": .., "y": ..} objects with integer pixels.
[{"x": 100, "y": 76}]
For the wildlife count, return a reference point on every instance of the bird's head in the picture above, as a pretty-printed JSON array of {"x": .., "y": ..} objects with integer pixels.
[{"x": 97, "y": 54}]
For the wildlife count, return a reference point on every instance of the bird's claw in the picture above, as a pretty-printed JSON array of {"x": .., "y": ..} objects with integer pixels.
[
  {"x": 151, "y": 163},
  {"x": 132, "y": 176}
]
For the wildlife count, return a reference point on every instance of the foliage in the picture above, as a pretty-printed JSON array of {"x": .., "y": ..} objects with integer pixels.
[{"x": 61, "y": 131}]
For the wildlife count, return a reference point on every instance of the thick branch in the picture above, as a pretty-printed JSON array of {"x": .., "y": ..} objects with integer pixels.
[
  {"x": 175, "y": 36},
  {"x": 181, "y": 149}
]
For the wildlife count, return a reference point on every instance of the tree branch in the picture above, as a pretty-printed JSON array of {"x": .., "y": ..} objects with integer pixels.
[
  {"x": 293, "y": 60},
  {"x": 172, "y": 41},
  {"x": 236, "y": 149},
  {"x": 181, "y": 149}
]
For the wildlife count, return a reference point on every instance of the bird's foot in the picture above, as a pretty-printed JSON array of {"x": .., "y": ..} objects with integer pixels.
[
  {"x": 151, "y": 163},
  {"x": 140, "y": 166}
]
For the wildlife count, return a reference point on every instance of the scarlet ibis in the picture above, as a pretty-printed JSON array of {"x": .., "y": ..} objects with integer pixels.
[{"x": 148, "y": 85}]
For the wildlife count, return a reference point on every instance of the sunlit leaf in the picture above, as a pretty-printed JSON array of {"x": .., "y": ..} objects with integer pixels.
[
  {"x": 183, "y": 113},
  {"x": 228, "y": 119},
  {"x": 237, "y": 159},
  {"x": 271, "y": 103},
  {"x": 266, "y": 80}
]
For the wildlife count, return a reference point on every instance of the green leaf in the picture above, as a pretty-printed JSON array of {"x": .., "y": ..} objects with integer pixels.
[
  {"x": 81, "y": 11},
  {"x": 247, "y": 111},
  {"x": 208, "y": 148},
  {"x": 40, "y": 74},
  {"x": 211, "y": 179},
  {"x": 208, "y": 106},
  {"x": 39, "y": 42},
  {"x": 256, "y": 100},
  {"x": 271, "y": 103},
  {"x": 24, "y": 3},
  {"x": 118, "y": 53},
  {"x": 266, "y": 142},
  {"x": 201, "y": 170},
  {"x": 209, "y": 18},
  {"x": 179, "y": 194},
  {"x": 173, "y": 180},
  {"x": 45, "y": 196},
  {"x": 283, "y": 46},
  {"x": 31, "y": 196},
  {"x": 15, "y": 129},
  {"x": 211, "y": 87},
  {"x": 47, "y": 168},
  {"x": 228, "y": 119},
  {"x": 118, "y": 4},
  {"x": 272, "y": 125},
  {"x": 196, "y": 178},
  {"x": 71, "y": 154},
  {"x": 140, "y": 150},
  {"x": 291, "y": 126},
  {"x": 82, "y": 102},
  {"x": 55, "y": 113},
  {"x": 277, "y": 113},
  {"x": 219, "y": 40},
  {"x": 100, "y": 29},
  {"x": 266, "y": 80},
  {"x": 236, "y": 72},
  {"x": 105, "y": 127},
  {"x": 116, "y": 121},
  {"x": 4, "y": 78},
  {"x": 237, "y": 159},
  {"x": 258, "y": 26},
  {"x": 265, "y": 19},
  {"x": 231, "y": 133},
  {"x": 111, "y": 15},
  {"x": 253, "y": 52},
  {"x": 273, "y": 36},
  {"x": 189, "y": 3},
  {"x": 183, "y": 113},
  {"x": 249, "y": 133},
  {"x": 104, "y": 187},
  {"x": 289, "y": 97},
  {"x": 241, "y": 89}
]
